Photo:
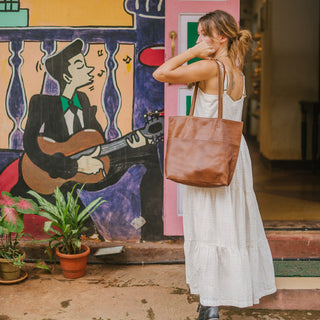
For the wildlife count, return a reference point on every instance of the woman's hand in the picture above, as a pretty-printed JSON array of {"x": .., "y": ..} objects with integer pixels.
[{"x": 203, "y": 50}]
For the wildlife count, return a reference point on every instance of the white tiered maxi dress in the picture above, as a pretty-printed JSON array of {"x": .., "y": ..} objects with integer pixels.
[{"x": 228, "y": 259}]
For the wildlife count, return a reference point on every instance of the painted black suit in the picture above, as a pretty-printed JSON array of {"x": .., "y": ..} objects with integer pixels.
[{"x": 47, "y": 111}]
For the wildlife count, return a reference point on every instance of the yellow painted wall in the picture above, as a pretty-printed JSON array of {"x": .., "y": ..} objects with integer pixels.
[
  {"x": 77, "y": 13},
  {"x": 32, "y": 71},
  {"x": 5, "y": 75}
]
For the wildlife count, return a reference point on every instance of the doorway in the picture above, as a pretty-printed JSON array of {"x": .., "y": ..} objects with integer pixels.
[{"x": 282, "y": 72}]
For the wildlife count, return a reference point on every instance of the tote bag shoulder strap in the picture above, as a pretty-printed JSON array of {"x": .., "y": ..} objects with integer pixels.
[
  {"x": 220, "y": 89},
  {"x": 194, "y": 98},
  {"x": 220, "y": 86}
]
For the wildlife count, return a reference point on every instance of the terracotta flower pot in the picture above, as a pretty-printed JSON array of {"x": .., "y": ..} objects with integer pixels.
[
  {"x": 74, "y": 265},
  {"x": 8, "y": 270}
]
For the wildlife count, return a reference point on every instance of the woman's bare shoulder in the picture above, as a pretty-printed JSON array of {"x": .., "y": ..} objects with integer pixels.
[{"x": 207, "y": 64}]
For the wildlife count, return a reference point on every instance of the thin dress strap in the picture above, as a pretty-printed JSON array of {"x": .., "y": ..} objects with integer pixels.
[
  {"x": 244, "y": 86},
  {"x": 225, "y": 84},
  {"x": 226, "y": 80}
]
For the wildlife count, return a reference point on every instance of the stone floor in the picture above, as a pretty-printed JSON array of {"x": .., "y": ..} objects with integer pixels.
[{"x": 109, "y": 292}]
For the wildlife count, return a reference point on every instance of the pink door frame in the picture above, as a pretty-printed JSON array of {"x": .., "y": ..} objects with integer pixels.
[{"x": 173, "y": 222}]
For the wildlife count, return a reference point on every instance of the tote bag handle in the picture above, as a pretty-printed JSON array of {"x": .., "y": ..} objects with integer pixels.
[{"x": 220, "y": 88}]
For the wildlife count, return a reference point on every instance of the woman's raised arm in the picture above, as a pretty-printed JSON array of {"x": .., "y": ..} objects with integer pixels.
[{"x": 174, "y": 70}]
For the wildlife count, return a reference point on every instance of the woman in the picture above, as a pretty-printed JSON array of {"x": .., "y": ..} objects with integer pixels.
[{"x": 228, "y": 259}]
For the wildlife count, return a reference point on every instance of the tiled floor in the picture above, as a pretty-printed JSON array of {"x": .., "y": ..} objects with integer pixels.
[{"x": 285, "y": 194}]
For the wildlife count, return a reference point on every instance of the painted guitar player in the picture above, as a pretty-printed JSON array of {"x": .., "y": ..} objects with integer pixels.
[{"x": 64, "y": 142}]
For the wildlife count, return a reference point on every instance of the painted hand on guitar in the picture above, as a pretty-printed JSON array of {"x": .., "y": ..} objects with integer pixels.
[
  {"x": 90, "y": 164},
  {"x": 137, "y": 140}
]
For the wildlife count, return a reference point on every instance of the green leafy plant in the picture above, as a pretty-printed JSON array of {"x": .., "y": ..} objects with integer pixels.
[
  {"x": 65, "y": 220},
  {"x": 12, "y": 226}
]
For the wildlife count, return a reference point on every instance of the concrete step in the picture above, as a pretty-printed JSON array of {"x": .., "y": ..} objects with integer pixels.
[
  {"x": 294, "y": 240},
  {"x": 293, "y": 293},
  {"x": 172, "y": 253},
  {"x": 284, "y": 244}
]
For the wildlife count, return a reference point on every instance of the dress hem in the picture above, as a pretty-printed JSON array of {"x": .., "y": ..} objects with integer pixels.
[{"x": 234, "y": 303}]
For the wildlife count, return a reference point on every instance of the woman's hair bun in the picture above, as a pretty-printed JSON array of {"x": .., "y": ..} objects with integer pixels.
[{"x": 245, "y": 35}]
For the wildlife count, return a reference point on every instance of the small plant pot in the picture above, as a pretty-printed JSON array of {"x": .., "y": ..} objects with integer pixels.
[
  {"x": 8, "y": 270},
  {"x": 74, "y": 265}
]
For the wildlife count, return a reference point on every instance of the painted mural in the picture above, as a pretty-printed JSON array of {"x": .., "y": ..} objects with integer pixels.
[{"x": 78, "y": 104}]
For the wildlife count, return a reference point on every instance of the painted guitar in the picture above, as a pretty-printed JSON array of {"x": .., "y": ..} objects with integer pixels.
[{"x": 84, "y": 143}]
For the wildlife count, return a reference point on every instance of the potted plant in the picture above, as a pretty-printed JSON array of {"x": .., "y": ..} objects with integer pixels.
[
  {"x": 11, "y": 231},
  {"x": 64, "y": 226}
]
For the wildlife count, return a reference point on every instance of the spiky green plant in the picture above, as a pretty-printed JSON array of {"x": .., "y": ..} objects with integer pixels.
[{"x": 65, "y": 223}]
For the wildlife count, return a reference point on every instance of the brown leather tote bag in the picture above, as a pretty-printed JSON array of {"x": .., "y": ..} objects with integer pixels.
[{"x": 201, "y": 151}]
